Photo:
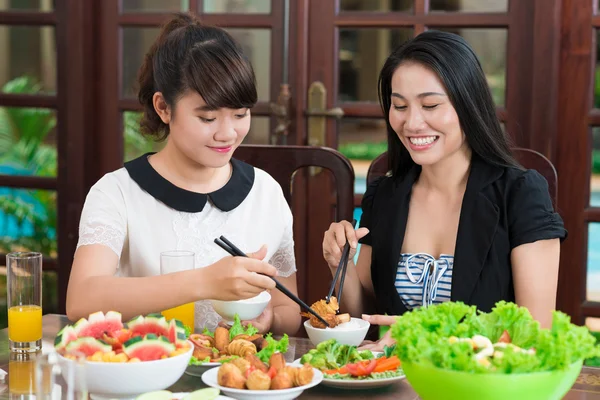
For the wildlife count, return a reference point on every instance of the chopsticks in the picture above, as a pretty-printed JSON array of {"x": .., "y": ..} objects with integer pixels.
[
  {"x": 232, "y": 249},
  {"x": 343, "y": 265}
]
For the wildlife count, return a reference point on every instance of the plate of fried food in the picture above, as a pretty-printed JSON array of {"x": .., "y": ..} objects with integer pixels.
[
  {"x": 250, "y": 378},
  {"x": 212, "y": 349}
]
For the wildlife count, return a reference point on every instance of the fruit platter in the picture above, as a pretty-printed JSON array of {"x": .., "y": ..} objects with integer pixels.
[
  {"x": 145, "y": 354},
  {"x": 225, "y": 344},
  {"x": 346, "y": 367},
  {"x": 251, "y": 378}
]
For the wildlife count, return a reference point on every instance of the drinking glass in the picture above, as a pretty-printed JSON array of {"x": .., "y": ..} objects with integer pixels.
[
  {"x": 59, "y": 378},
  {"x": 21, "y": 377},
  {"x": 24, "y": 292},
  {"x": 177, "y": 261}
]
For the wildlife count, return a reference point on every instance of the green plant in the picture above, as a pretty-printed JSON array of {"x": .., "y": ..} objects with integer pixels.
[
  {"x": 363, "y": 151},
  {"x": 135, "y": 143}
]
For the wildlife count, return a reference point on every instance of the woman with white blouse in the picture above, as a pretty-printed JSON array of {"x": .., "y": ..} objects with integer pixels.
[{"x": 197, "y": 89}]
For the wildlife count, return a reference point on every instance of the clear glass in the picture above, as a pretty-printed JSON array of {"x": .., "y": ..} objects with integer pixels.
[
  {"x": 595, "y": 173},
  {"x": 59, "y": 378},
  {"x": 593, "y": 262},
  {"x": 135, "y": 44},
  {"x": 236, "y": 6},
  {"x": 489, "y": 45},
  {"x": 474, "y": 6},
  {"x": 377, "y": 5},
  {"x": 28, "y": 54},
  {"x": 178, "y": 261},
  {"x": 154, "y": 6},
  {"x": 27, "y": 5},
  {"x": 362, "y": 52},
  {"x": 24, "y": 293},
  {"x": 27, "y": 140}
]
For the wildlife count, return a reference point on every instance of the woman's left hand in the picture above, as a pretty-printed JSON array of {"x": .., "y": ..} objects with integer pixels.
[
  {"x": 264, "y": 321},
  {"x": 386, "y": 340}
]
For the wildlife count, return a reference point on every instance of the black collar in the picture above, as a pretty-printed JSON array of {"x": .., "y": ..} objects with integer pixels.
[{"x": 227, "y": 198}]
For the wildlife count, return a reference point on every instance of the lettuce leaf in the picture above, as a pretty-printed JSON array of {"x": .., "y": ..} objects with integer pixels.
[
  {"x": 238, "y": 329},
  {"x": 422, "y": 337},
  {"x": 273, "y": 346}
]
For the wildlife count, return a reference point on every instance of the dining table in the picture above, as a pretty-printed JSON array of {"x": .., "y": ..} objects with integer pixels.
[{"x": 587, "y": 386}]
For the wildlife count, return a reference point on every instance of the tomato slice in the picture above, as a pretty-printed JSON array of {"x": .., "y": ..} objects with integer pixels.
[
  {"x": 352, "y": 369},
  {"x": 272, "y": 372},
  {"x": 362, "y": 368},
  {"x": 249, "y": 371}
]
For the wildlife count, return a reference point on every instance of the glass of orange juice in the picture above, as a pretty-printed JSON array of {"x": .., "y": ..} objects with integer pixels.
[
  {"x": 21, "y": 376},
  {"x": 24, "y": 292},
  {"x": 176, "y": 261}
]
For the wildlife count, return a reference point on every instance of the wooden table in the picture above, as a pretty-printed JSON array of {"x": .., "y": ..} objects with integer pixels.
[{"x": 587, "y": 386}]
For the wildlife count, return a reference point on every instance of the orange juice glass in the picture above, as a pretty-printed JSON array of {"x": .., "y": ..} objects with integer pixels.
[
  {"x": 21, "y": 377},
  {"x": 177, "y": 261},
  {"x": 24, "y": 292}
]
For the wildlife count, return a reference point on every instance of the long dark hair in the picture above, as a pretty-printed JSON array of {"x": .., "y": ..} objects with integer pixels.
[
  {"x": 457, "y": 66},
  {"x": 191, "y": 56}
]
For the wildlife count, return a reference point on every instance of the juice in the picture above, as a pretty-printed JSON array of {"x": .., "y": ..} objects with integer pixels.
[
  {"x": 184, "y": 313},
  {"x": 21, "y": 377},
  {"x": 25, "y": 323}
]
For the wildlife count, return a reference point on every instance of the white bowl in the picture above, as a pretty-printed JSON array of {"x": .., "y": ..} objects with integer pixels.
[
  {"x": 342, "y": 333},
  {"x": 246, "y": 309},
  {"x": 128, "y": 380},
  {"x": 210, "y": 379}
]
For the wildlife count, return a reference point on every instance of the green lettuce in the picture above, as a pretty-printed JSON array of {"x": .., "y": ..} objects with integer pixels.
[
  {"x": 238, "y": 329},
  {"x": 273, "y": 346},
  {"x": 422, "y": 337}
]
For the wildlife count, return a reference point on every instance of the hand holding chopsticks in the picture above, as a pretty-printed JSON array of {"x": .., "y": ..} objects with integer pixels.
[
  {"x": 341, "y": 270},
  {"x": 235, "y": 251}
]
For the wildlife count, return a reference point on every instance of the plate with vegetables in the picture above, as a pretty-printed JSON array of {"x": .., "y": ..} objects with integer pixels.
[
  {"x": 346, "y": 367},
  {"x": 212, "y": 349}
]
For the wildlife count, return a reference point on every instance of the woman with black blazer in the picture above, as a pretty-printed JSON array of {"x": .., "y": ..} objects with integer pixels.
[{"x": 457, "y": 218}]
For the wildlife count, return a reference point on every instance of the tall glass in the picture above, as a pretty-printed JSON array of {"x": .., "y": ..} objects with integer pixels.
[
  {"x": 177, "y": 261},
  {"x": 59, "y": 378},
  {"x": 24, "y": 291},
  {"x": 21, "y": 377}
]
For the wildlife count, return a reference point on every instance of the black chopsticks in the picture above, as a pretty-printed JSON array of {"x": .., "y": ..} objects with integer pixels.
[
  {"x": 232, "y": 249},
  {"x": 343, "y": 265}
]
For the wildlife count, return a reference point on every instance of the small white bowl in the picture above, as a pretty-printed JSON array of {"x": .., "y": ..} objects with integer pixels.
[
  {"x": 128, "y": 380},
  {"x": 246, "y": 309},
  {"x": 341, "y": 333}
]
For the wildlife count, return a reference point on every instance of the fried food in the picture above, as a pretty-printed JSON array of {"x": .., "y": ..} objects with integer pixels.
[
  {"x": 304, "y": 375},
  {"x": 282, "y": 380},
  {"x": 201, "y": 352},
  {"x": 230, "y": 376},
  {"x": 329, "y": 312},
  {"x": 202, "y": 340},
  {"x": 241, "y": 347},
  {"x": 277, "y": 361},
  {"x": 221, "y": 338},
  {"x": 256, "y": 362},
  {"x": 242, "y": 364},
  {"x": 258, "y": 380}
]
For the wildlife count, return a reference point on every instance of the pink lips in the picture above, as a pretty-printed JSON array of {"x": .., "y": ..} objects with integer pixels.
[
  {"x": 418, "y": 147},
  {"x": 221, "y": 149}
]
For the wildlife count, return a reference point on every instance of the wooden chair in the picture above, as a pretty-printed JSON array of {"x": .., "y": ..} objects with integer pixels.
[{"x": 528, "y": 158}]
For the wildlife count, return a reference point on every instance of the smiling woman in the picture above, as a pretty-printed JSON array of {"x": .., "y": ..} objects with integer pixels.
[{"x": 197, "y": 89}]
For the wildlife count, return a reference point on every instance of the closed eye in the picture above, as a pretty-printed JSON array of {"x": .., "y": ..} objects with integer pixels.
[
  {"x": 240, "y": 116},
  {"x": 207, "y": 120},
  {"x": 400, "y": 108},
  {"x": 430, "y": 107}
]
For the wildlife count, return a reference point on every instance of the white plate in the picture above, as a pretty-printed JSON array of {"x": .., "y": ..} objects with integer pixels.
[
  {"x": 357, "y": 383},
  {"x": 210, "y": 378},
  {"x": 182, "y": 395}
]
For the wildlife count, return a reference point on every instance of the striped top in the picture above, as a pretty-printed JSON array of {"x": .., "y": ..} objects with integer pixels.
[{"x": 423, "y": 280}]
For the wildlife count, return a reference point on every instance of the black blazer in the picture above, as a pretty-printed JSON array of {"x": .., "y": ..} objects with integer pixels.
[{"x": 503, "y": 207}]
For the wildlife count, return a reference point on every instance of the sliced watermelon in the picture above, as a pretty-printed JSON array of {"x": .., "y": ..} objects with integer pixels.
[
  {"x": 148, "y": 348},
  {"x": 152, "y": 323},
  {"x": 88, "y": 346},
  {"x": 98, "y": 324},
  {"x": 64, "y": 337},
  {"x": 175, "y": 335}
]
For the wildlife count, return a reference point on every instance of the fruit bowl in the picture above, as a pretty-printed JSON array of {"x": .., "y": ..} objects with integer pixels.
[
  {"x": 110, "y": 380},
  {"x": 247, "y": 309},
  {"x": 459, "y": 385},
  {"x": 351, "y": 333}
]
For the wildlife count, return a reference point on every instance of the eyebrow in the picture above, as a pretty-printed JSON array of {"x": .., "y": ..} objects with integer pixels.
[
  {"x": 421, "y": 95},
  {"x": 205, "y": 108}
]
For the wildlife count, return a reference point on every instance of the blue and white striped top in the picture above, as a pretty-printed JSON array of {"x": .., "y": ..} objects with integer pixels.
[{"x": 421, "y": 280}]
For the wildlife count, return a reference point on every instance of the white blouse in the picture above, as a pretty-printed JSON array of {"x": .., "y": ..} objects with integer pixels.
[{"x": 138, "y": 214}]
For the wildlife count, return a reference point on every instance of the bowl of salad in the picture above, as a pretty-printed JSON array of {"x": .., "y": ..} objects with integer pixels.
[{"x": 497, "y": 355}]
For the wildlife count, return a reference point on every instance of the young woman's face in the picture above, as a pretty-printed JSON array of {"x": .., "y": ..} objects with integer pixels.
[
  {"x": 423, "y": 117},
  {"x": 209, "y": 137}
]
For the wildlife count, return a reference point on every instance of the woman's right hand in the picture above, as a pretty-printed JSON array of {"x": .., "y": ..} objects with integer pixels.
[
  {"x": 336, "y": 237},
  {"x": 238, "y": 278}
]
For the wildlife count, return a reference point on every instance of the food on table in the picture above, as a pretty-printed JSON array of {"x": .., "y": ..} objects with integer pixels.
[
  {"x": 329, "y": 312},
  {"x": 507, "y": 340},
  {"x": 340, "y": 361},
  {"x": 227, "y": 344},
  {"x": 104, "y": 338},
  {"x": 271, "y": 376}
]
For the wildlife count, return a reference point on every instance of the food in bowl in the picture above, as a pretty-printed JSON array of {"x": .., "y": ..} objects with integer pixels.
[
  {"x": 351, "y": 333},
  {"x": 502, "y": 353},
  {"x": 226, "y": 344},
  {"x": 327, "y": 311},
  {"x": 247, "y": 309}
]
